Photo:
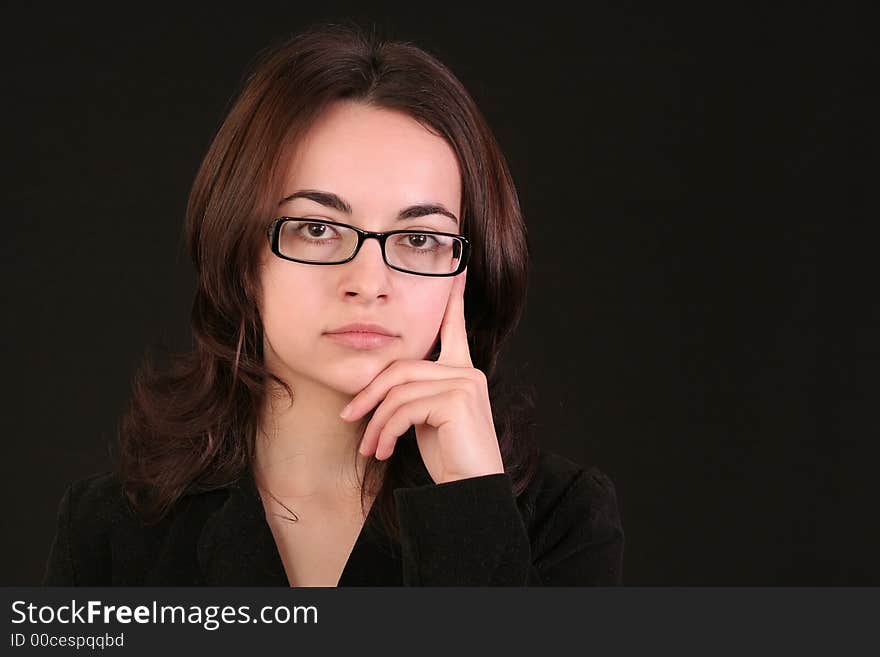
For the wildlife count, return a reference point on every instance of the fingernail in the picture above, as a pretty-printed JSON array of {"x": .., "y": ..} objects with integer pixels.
[{"x": 345, "y": 411}]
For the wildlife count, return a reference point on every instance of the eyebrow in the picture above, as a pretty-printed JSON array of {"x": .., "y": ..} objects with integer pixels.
[{"x": 331, "y": 200}]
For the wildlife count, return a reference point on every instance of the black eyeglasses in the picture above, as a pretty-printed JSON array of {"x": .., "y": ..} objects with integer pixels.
[{"x": 323, "y": 242}]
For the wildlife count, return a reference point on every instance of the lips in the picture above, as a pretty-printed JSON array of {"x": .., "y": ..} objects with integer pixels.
[
  {"x": 360, "y": 340},
  {"x": 363, "y": 327}
]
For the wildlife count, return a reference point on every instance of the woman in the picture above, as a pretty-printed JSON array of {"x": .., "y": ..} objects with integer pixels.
[{"x": 358, "y": 244}]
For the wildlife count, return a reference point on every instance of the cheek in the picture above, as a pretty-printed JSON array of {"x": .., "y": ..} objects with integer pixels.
[
  {"x": 290, "y": 308},
  {"x": 424, "y": 313}
]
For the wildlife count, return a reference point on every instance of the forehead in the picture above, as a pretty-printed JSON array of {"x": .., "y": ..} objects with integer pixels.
[{"x": 379, "y": 160}]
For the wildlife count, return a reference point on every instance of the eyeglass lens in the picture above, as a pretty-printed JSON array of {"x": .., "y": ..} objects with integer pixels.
[{"x": 419, "y": 252}]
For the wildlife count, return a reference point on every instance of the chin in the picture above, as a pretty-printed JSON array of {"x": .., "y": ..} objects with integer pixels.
[{"x": 353, "y": 376}]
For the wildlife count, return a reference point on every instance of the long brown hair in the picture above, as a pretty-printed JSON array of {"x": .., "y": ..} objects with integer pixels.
[{"x": 191, "y": 425}]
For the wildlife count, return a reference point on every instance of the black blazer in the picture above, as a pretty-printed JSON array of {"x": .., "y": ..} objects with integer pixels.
[{"x": 563, "y": 530}]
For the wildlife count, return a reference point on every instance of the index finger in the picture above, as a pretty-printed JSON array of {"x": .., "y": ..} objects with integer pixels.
[{"x": 454, "y": 348}]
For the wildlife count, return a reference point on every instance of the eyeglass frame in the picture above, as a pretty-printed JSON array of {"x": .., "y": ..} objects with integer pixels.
[{"x": 274, "y": 232}]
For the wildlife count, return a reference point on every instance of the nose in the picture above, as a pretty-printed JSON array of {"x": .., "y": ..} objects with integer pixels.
[{"x": 367, "y": 274}]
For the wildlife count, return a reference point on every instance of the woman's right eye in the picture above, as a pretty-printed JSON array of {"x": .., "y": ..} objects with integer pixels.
[{"x": 315, "y": 231}]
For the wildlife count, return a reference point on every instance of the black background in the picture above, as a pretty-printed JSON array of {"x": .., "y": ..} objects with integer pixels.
[{"x": 699, "y": 188}]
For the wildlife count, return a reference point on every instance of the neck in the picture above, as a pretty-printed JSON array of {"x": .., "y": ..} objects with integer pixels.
[{"x": 304, "y": 450}]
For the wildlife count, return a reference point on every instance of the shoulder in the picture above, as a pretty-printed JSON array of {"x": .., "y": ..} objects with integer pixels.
[
  {"x": 100, "y": 539},
  {"x": 557, "y": 477},
  {"x": 98, "y": 493},
  {"x": 100, "y": 499},
  {"x": 564, "y": 494},
  {"x": 89, "y": 508},
  {"x": 93, "y": 504}
]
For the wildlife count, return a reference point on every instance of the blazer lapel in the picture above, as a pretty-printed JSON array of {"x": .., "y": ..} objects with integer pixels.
[
  {"x": 375, "y": 558},
  {"x": 236, "y": 547}
]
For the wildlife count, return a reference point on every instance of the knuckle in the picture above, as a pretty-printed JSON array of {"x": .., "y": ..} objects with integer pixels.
[
  {"x": 394, "y": 394},
  {"x": 469, "y": 385},
  {"x": 461, "y": 396},
  {"x": 477, "y": 381}
]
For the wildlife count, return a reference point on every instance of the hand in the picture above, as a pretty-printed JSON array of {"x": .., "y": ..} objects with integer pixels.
[{"x": 446, "y": 400}]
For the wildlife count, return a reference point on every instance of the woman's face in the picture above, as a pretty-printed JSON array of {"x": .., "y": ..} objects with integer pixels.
[{"x": 379, "y": 162}]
